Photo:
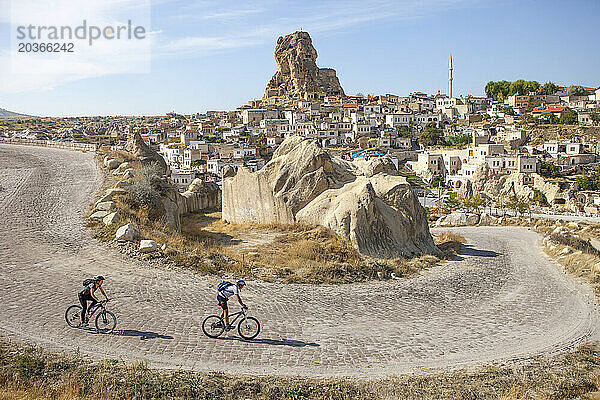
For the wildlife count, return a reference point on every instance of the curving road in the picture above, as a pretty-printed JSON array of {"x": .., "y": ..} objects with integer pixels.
[{"x": 503, "y": 299}]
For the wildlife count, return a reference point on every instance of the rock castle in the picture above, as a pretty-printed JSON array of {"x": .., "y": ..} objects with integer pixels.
[{"x": 297, "y": 76}]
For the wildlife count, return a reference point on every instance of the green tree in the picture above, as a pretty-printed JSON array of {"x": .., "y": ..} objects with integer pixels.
[
  {"x": 552, "y": 119},
  {"x": 548, "y": 88},
  {"x": 539, "y": 198},
  {"x": 437, "y": 181},
  {"x": 452, "y": 203},
  {"x": 403, "y": 131},
  {"x": 432, "y": 136},
  {"x": 460, "y": 139},
  {"x": 576, "y": 90},
  {"x": 518, "y": 87},
  {"x": 589, "y": 180},
  {"x": 523, "y": 205},
  {"x": 474, "y": 202},
  {"x": 508, "y": 110},
  {"x": 595, "y": 117},
  {"x": 532, "y": 86},
  {"x": 549, "y": 170},
  {"x": 568, "y": 118},
  {"x": 533, "y": 104},
  {"x": 493, "y": 89}
]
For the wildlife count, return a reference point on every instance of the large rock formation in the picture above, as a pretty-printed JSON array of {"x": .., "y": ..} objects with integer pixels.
[
  {"x": 136, "y": 146},
  {"x": 298, "y": 76},
  {"x": 199, "y": 196},
  {"x": 500, "y": 187},
  {"x": 377, "y": 211}
]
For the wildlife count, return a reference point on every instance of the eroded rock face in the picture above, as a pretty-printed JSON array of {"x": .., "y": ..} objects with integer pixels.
[
  {"x": 136, "y": 146},
  {"x": 297, "y": 74},
  {"x": 377, "y": 211}
]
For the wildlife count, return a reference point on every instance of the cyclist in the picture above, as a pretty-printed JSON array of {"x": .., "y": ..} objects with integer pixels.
[
  {"x": 224, "y": 294},
  {"x": 87, "y": 294}
]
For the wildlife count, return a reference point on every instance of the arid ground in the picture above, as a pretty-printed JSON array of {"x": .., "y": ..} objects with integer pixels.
[{"x": 503, "y": 299}]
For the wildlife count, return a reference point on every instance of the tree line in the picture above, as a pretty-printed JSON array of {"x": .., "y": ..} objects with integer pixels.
[{"x": 502, "y": 89}]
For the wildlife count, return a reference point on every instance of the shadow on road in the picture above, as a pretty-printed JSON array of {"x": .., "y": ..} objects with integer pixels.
[
  {"x": 144, "y": 335},
  {"x": 468, "y": 250},
  {"x": 275, "y": 342}
]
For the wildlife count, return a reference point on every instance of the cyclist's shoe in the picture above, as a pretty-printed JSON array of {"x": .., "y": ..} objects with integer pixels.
[{"x": 229, "y": 327}]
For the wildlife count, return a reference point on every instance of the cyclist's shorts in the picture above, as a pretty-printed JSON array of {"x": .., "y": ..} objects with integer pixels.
[{"x": 222, "y": 301}]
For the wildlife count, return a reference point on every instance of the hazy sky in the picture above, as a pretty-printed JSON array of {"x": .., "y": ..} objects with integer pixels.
[{"x": 213, "y": 55}]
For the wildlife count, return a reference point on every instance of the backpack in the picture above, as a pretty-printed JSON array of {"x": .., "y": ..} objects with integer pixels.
[
  {"x": 86, "y": 282},
  {"x": 223, "y": 285}
]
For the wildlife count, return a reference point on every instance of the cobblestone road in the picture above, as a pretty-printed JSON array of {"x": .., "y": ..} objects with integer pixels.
[{"x": 503, "y": 299}]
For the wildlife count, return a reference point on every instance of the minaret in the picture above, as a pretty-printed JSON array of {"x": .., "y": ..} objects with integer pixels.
[{"x": 450, "y": 75}]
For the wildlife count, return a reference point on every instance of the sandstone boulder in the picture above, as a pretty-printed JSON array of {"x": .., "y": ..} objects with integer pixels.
[
  {"x": 127, "y": 233},
  {"x": 128, "y": 174},
  {"x": 378, "y": 212},
  {"x": 106, "y": 206},
  {"x": 487, "y": 219},
  {"x": 112, "y": 164},
  {"x": 148, "y": 246},
  {"x": 111, "y": 218},
  {"x": 115, "y": 192},
  {"x": 106, "y": 197},
  {"x": 122, "y": 184},
  {"x": 123, "y": 167},
  {"x": 459, "y": 219},
  {"x": 99, "y": 214}
]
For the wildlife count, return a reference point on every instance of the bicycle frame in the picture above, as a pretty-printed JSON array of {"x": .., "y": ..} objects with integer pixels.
[
  {"x": 236, "y": 315},
  {"x": 92, "y": 310}
]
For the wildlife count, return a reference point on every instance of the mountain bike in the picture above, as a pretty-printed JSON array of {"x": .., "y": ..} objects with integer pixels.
[
  {"x": 105, "y": 320},
  {"x": 248, "y": 327}
]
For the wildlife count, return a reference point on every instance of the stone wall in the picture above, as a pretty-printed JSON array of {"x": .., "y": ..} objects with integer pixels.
[{"x": 51, "y": 143}]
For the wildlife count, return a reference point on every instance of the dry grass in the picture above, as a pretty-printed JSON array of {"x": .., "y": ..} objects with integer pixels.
[
  {"x": 574, "y": 251},
  {"x": 450, "y": 244},
  {"x": 28, "y": 373},
  {"x": 285, "y": 253}
]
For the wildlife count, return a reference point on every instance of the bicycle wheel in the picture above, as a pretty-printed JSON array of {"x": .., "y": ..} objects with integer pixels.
[
  {"x": 213, "y": 326},
  {"x": 249, "y": 328},
  {"x": 73, "y": 316},
  {"x": 106, "y": 322}
]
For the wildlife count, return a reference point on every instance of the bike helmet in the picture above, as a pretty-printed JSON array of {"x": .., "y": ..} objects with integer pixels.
[
  {"x": 99, "y": 278},
  {"x": 241, "y": 282}
]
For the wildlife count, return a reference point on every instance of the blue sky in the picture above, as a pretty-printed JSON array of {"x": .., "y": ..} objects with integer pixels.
[{"x": 214, "y": 55}]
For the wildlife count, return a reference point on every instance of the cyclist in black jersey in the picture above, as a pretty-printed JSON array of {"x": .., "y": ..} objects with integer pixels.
[{"x": 88, "y": 294}]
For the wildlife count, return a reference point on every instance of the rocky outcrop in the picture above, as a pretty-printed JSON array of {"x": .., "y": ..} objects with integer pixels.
[
  {"x": 127, "y": 233},
  {"x": 200, "y": 195},
  {"x": 137, "y": 147},
  {"x": 377, "y": 211},
  {"x": 298, "y": 76},
  {"x": 147, "y": 246},
  {"x": 499, "y": 187}
]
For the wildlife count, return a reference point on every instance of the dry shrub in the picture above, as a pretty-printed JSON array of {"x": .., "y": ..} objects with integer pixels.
[
  {"x": 120, "y": 155},
  {"x": 575, "y": 243},
  {"x": 450, "y": 244},
  {"x": 567, "y": 376}
]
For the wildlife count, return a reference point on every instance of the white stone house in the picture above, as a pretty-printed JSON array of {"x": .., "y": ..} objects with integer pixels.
[{"x": 182, "y": 178}]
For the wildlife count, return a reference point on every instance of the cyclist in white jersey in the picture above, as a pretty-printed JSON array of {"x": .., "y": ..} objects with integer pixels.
[{"x": 225, "y": 294}]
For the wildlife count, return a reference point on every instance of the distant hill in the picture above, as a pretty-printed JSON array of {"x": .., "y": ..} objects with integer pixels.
[{"x": 5, "y": 114}]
